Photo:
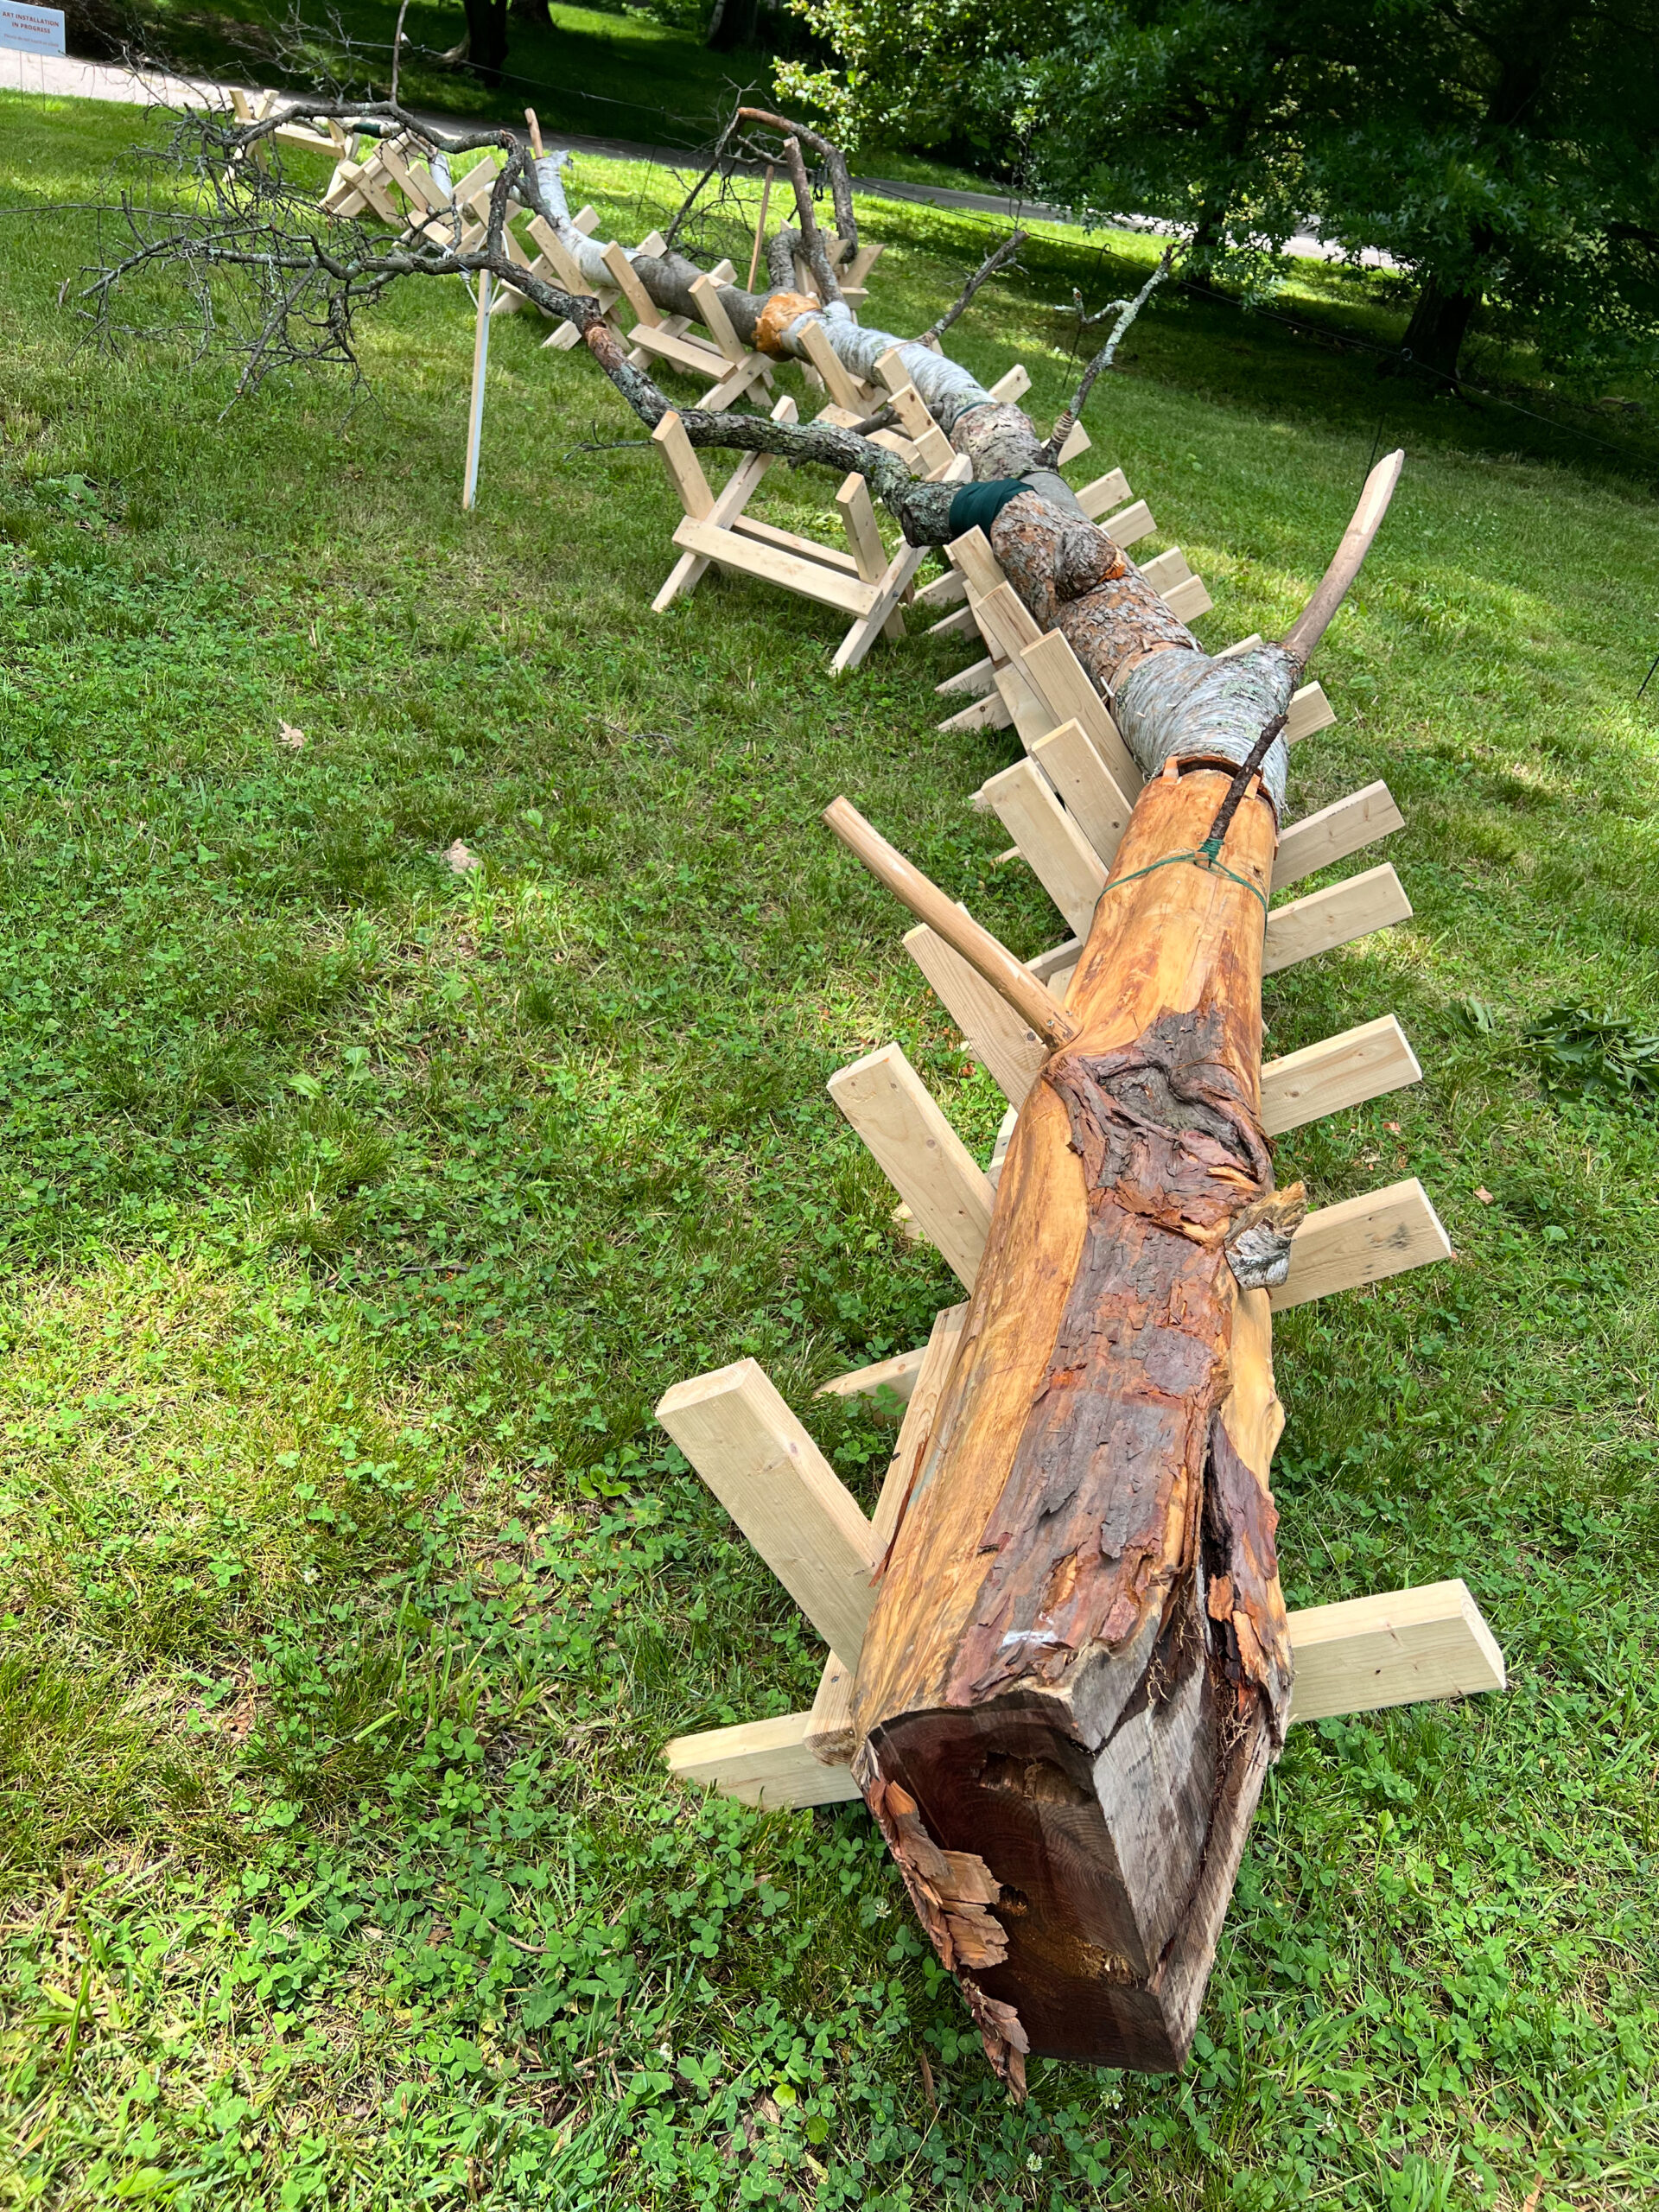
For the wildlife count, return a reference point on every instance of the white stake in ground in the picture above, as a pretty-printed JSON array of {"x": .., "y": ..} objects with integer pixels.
[{"x": 475, "y": 416}]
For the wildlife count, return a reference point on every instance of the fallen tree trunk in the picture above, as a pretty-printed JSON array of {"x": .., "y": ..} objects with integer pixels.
[{"x": 1078, "y": 1669}]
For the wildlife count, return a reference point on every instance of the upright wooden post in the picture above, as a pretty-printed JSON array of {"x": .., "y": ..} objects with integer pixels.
[{"x": 475, "y": 413}]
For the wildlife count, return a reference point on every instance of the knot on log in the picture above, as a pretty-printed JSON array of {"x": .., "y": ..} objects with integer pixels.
[
  {"x": 999, "y": 439},
  {"x": 1084, "y": 557},
  {"x": 1258, "y": 1244},
  {"x": 775, "y": 318}
]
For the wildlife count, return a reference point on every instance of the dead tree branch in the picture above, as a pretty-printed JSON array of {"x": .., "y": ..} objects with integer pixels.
[
  {"x": 998, "y": 259},
  {"x": 1127, "y": 311}
]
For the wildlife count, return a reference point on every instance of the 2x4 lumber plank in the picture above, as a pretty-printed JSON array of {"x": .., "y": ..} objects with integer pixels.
[
  {"x": 1360, "y": 1241},
  {"x": 981, "y": 571},
  {"x": 883, "y": 611},
  {"x": 1019, "y": 694},
  {"x": 989, "y": 713},
  {"x": 706, "y": 292},
  {"x": 961, "y": 624},
  {"x": 944, "y": 591},
  {"x": 767, "y": 533},
  {"x": 978, "y": 677},
  {"x": 1013, "y": 384},
  {"x": 1077, "y": 441},
  {"x": 1130, "y": 525},
  {"x": 1399, "y": 1647},
  {"x": 690, "y": 354},
  {"x": 829, "y": 1734},
  {"x": 1006, "y": 623},
  {"x": 1008, "y": 1049},
  {"x": 897, "y": 1373},
  {"x": 921, "y": 1156},
  {"x": 1188, "y": 599},
  {"x": 621, "y": 271},
  {"x": 1058, "y": 853},
  {"x": 1374, "y": 900},
  {"x": 1362, "y": 1655},
  {"x": 761, "y": 1463},
  {"x": 1062, "y": 683},
  {"x": 684, "y": 469},
  {"x": 839, "y": 381},
  {"x": 1105, "y": 493},
  {"x": 1345, "y": 1070},
  {"x": 1309, "y": 710},
  {"x": 811, "y": 579},
  {"x": 1087, "y": 788},
  {"x": 1334, "y": 832}
]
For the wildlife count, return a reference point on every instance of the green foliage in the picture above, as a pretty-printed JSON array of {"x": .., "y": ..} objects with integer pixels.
[
  {"x": 1596, "y": 1056},
  {"x": 1501, "y": 153},
  {"x": 357, "y": 1213}
]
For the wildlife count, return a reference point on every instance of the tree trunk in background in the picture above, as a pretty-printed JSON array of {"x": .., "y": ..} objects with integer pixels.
[
  {"x": 732, "y": 25},
  {"x": 532, "y": 11},
  {"x": 486, "y": 38},
  {"x": 1440, "y": 323}
]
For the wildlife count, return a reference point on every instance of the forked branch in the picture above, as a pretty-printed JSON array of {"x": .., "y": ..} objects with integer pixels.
[{"x": 1127, "y": 311}]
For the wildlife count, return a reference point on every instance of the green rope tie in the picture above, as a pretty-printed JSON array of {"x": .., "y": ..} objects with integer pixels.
[{"x": 1203, "y": 857}]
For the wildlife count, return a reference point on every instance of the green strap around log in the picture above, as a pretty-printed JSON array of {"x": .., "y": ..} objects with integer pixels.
[{"x": 977, "y": 506}]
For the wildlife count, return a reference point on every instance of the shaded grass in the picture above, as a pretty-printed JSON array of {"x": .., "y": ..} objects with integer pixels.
[{"x": 357, "y": 1213}]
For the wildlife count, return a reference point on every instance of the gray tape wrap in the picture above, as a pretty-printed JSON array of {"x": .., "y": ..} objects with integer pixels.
[{"x": 1185, "y": 703}]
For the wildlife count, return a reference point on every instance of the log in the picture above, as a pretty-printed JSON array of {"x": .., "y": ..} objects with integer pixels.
[{"x": 1078, "y": 1669}]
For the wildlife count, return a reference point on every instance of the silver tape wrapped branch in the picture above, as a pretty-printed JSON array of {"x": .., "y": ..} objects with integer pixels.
[{"x": 1185, "y": 703}]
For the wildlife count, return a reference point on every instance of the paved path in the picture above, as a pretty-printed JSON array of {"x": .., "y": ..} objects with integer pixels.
[{"x": 64, "y": 78}]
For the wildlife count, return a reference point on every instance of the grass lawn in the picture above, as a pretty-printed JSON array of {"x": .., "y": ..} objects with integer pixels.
[{"x": 356, "y": 1213}]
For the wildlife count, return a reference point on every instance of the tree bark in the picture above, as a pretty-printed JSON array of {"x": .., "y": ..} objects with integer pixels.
[
  {"x": 1077, "y": 1670},
  {"x": 1440, "y": 323}
]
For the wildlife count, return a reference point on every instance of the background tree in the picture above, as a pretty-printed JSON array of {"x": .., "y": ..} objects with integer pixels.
[{"x": 1501, "y": 151}]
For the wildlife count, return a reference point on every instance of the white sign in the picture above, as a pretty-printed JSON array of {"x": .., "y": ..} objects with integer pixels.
[{"x": 31, "y": 30}]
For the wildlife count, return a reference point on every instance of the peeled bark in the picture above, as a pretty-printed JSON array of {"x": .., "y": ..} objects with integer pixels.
[{"x": 1077, "y": 1670}]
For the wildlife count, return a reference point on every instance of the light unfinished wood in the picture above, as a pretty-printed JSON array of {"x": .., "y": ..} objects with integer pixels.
[
  {"x": 1058, "y": 960},
  {"x": 929, "y": 904},
  {"x": 1187, "y": 600},
  {"x": 829, "y": 1733},
  {"x": 1360, "y": 1655},
  {"x": 944, "y": 591},
  {"x": 863, "y": 538},
  {"x": 1058, "y": 853},
  {"x": 1077, "y": 441},
  {"x": 1062, "y": 683},
  {"x": 706, "y": 292},
  {"x": 1164, "y": 570},
  {"x": 1086, "y": 787},
  {"x": 760, "y": 1462},
  {"x": 921, "y": 1156},
  {"x": 622, "y": 273},
  {"x": 883, "y": 610},
  {"x": 1362, "y": 1240},
  {"x": 981, "y": 571},
  {"x": 766, "y": 533},
  {"x": 1309, "y": 710},
  {"x": 1346, "y": 826},
  {"x": 1130, "y": 525},
  {"x": 1013, "y": 384},
  {"x": 897, "y": 1375},
  {"x": 839, "y": 381},
  {"x": 684, "y": 469},
  {"x": 1006, "y": 623},
  {"x": 761, "y": 1762},
  {"x": 1374, "y": 900},
  {"x": 1244, "y": 645},
  {"x": 1338, "y": 1071},
  {"x": 811, "y": 579},
  {"x": 1400, "y": 1647},
  {"x": 989, "y": 713},
  {"x": 1019, "y": 695},
  {"x": 1009, "y": 1050},
  {"x": 1105, "y": 493},
  {"x": 962, "y": 623}
]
